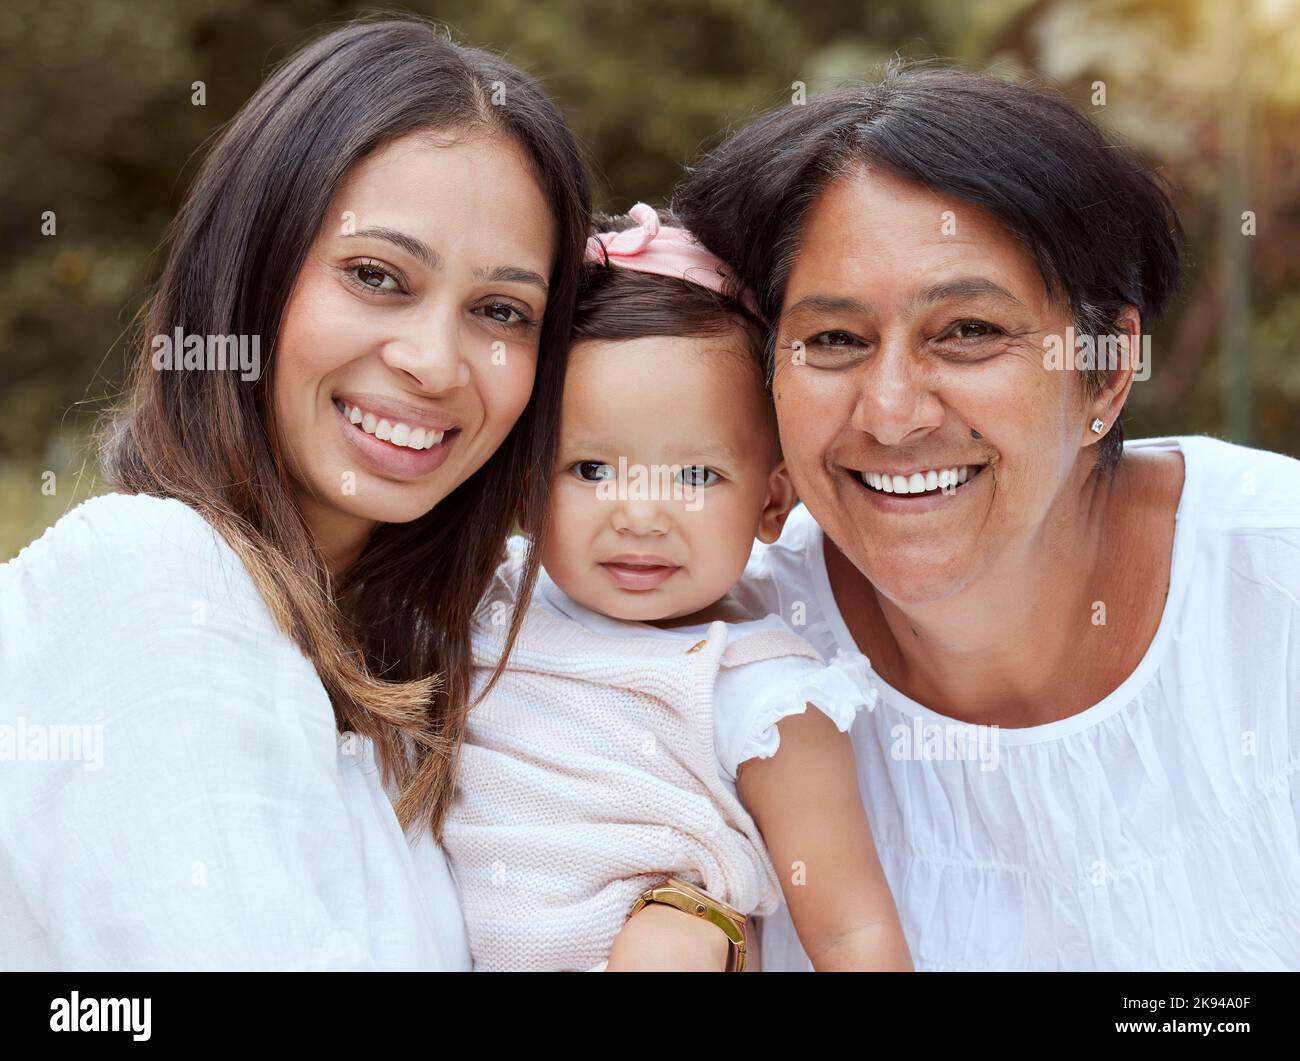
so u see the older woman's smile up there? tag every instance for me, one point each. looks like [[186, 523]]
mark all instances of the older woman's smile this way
[[920, 482], [919, 491]]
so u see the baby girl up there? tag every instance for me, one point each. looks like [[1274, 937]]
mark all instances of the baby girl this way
[[655, 765]]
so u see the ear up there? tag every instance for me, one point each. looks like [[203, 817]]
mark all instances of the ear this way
[[781, 498], [1107, 405]]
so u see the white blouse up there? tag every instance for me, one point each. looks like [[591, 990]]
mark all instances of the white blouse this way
[[1159, 828], [173, 791]]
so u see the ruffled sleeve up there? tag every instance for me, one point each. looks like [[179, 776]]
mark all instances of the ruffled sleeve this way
[[749, 701]]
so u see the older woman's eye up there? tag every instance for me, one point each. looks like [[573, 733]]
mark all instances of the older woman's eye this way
[[593, 471], [975, 330], [832, 338]]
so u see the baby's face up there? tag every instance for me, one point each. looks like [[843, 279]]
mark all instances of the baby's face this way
[[667, 471]]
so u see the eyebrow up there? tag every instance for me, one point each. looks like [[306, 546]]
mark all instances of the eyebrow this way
[[708, 448], [511, 274], [827, 304], [413, 246], [963, 287], [421, 251]]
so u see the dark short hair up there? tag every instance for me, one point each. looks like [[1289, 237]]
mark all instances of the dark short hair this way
[[1101, 228]]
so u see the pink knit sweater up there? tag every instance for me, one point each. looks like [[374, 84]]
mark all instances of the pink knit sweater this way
[[588, 774]]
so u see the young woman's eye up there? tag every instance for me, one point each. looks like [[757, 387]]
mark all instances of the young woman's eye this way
[[375, 277], [697, 475], [506, 314], [593, 471]]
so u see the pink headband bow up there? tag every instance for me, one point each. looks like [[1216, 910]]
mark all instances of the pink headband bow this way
[[666, 251]]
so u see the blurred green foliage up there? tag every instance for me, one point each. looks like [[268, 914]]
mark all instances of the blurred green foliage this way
[[98, 126]]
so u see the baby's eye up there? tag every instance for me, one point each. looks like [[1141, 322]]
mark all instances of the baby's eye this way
[[697, 475], [593, 471]]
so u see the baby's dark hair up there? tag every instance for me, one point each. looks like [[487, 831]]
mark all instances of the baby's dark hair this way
[[616, 303]]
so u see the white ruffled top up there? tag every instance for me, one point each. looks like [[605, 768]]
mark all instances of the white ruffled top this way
[[1157, 829]]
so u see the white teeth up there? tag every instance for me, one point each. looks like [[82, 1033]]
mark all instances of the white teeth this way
[[397, 434], [919, 482]]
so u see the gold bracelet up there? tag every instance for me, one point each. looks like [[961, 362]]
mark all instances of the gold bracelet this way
[[692, 900]]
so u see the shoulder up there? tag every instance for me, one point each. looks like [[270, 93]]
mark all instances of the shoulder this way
[[119, 527], [129, 547], [127, 591], [1237, 557], [752, 698], [1227, 486]]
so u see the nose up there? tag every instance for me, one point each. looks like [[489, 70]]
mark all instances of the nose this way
[[642, 518], [897, 400], [429, 355]]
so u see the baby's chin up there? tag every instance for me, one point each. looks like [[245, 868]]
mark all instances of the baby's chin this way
[[647, 606]]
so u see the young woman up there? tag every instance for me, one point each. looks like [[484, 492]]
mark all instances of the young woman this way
[[236, 686]]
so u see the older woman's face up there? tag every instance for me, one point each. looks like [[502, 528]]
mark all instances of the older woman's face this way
[[909, 321]]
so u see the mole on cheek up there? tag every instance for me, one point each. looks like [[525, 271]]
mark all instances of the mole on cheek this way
[[975, 434]]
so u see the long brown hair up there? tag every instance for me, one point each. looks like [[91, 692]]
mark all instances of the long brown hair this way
[[390, 638]]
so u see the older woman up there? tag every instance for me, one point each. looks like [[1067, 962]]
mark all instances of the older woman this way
[[1085, 751]]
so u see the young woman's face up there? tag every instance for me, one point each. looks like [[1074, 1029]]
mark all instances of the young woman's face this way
[[409, 343]]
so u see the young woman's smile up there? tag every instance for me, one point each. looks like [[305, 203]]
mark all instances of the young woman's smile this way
[[396, 441]]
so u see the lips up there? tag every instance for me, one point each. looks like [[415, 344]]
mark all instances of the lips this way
[[639, 572], [390, 459], [924, 501], [922, 482]]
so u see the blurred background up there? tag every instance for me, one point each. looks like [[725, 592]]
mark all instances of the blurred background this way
[[98, 126]]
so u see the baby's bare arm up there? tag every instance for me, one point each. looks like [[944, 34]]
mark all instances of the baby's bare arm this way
[[805, 802], [659, 938]]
